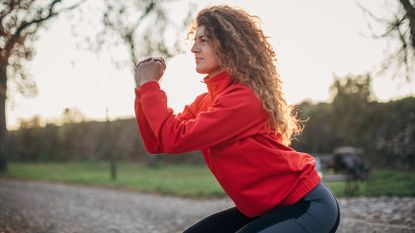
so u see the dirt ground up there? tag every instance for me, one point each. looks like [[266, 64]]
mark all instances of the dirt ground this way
[[48, 207]]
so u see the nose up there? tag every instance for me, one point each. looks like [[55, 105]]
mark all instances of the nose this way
[[195, 48]]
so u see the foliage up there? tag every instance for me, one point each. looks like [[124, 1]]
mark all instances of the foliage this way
[[385, 131], [84, 141], [20, 22]]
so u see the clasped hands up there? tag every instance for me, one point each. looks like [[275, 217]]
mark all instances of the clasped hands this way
[[150, 69]]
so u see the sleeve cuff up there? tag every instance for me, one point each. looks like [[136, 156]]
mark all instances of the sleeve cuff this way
[[151, 85]]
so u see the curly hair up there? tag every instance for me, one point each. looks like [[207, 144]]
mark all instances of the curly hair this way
[[244, 52]]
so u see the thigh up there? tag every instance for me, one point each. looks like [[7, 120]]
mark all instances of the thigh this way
[[324, 213], [281, 220], [226, 221], [317, 212]]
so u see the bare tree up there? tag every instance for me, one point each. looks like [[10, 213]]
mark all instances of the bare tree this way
[[400, 29], [20, 21], [143, 28]]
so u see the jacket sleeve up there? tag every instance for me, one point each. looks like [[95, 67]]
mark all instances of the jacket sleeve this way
[[147, 136], [227, 119], [150, 141], [190, 111]]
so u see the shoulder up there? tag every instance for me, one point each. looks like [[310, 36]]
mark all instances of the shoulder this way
[[240, 93], [242, 97], [201, 97], [200, 102]]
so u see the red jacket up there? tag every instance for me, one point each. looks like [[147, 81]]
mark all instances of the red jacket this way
[[228, 124]]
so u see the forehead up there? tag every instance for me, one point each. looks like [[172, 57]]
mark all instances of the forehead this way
[[200, 31]]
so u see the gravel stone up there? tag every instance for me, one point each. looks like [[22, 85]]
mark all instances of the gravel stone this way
[[33, 206]]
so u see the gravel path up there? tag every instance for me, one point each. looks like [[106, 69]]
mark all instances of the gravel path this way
[[34, 207]]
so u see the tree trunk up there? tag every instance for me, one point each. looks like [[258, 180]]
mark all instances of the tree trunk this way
[[410, 13], [3, 129], [109, 151], [113, 167]]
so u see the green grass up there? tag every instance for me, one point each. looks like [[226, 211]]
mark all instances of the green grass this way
[[180, 180], [184, 180], [390, 183]]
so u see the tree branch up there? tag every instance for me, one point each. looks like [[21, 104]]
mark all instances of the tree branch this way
[[366, 11], [410, 13], [148, 9], [37, 21]]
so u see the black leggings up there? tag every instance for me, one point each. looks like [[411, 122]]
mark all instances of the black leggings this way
[[317, 212]]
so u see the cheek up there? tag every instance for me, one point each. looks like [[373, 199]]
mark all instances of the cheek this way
[[210, 61], [211, 58], [213, 62], [212, 55]]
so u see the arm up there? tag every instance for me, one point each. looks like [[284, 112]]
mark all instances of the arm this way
[[150, 69], [190, 111], [228, 119], [150, 141]]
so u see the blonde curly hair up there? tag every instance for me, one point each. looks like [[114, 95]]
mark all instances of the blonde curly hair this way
[[244, 52]]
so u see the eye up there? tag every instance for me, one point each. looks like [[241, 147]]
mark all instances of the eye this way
[[202, 40]]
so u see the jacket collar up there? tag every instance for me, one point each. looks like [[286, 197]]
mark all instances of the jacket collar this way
[[218, 83]]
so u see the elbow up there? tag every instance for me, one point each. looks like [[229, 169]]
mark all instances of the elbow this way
[[153, 149], [174, 148], [171, 149], [154, 152]]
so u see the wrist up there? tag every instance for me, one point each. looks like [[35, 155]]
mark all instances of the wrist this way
[[140, 83]]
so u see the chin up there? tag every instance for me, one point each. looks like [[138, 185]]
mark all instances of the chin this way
[[201, 70]]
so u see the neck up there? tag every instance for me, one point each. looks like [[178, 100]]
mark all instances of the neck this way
[[216, 72]]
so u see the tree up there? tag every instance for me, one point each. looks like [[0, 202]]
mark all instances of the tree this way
[[400, 29], [72, 115], [351, 98], [20, 21], [142, 28], [342, 122], [132, 22]]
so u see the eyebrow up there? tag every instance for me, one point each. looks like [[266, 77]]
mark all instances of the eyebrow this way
[[203, 35]]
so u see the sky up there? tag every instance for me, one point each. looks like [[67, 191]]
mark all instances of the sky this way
[[314, 42]]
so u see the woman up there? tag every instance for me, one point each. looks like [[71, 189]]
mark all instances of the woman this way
[[243, 126]]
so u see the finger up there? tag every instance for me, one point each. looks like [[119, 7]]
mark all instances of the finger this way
[[162, 64], [145, 60], [161, 60], [158, 59]]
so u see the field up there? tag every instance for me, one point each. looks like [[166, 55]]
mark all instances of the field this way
[[184, 180]]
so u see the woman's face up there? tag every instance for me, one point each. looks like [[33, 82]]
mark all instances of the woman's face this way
[[205, 55]]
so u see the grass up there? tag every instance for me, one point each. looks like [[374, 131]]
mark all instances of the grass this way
[[390, 183], [180, 180], [183, 180]]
